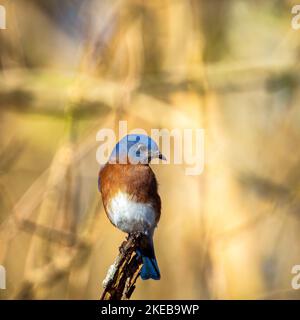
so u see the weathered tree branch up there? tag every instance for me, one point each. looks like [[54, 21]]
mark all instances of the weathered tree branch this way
[[121, 277]]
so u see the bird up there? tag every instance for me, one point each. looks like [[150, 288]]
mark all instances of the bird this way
[[130, 196]]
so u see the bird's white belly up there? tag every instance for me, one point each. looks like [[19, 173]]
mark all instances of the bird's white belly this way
[[129, 215]]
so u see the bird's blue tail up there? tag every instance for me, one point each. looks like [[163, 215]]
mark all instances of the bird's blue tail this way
[[150, 268]]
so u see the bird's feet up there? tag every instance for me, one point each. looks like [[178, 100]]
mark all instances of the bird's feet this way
[[135, 235], [133, 238], [122, 248]]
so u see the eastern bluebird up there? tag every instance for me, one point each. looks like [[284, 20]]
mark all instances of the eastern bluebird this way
[[129, 194]]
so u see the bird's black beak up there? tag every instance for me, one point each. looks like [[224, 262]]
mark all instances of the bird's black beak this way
[[162, 157], [155, 155]]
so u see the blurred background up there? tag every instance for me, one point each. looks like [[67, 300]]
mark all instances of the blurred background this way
[[70, 68]]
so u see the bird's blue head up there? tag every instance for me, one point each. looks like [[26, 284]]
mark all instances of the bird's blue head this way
[[135, 149]]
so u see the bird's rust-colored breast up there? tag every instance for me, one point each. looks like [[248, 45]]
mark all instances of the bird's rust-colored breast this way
[[138, 181]]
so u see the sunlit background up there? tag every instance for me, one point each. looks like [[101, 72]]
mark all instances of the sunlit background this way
[[70, 68]]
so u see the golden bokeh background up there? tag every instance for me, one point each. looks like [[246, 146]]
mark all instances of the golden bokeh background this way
[[70, 68]]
